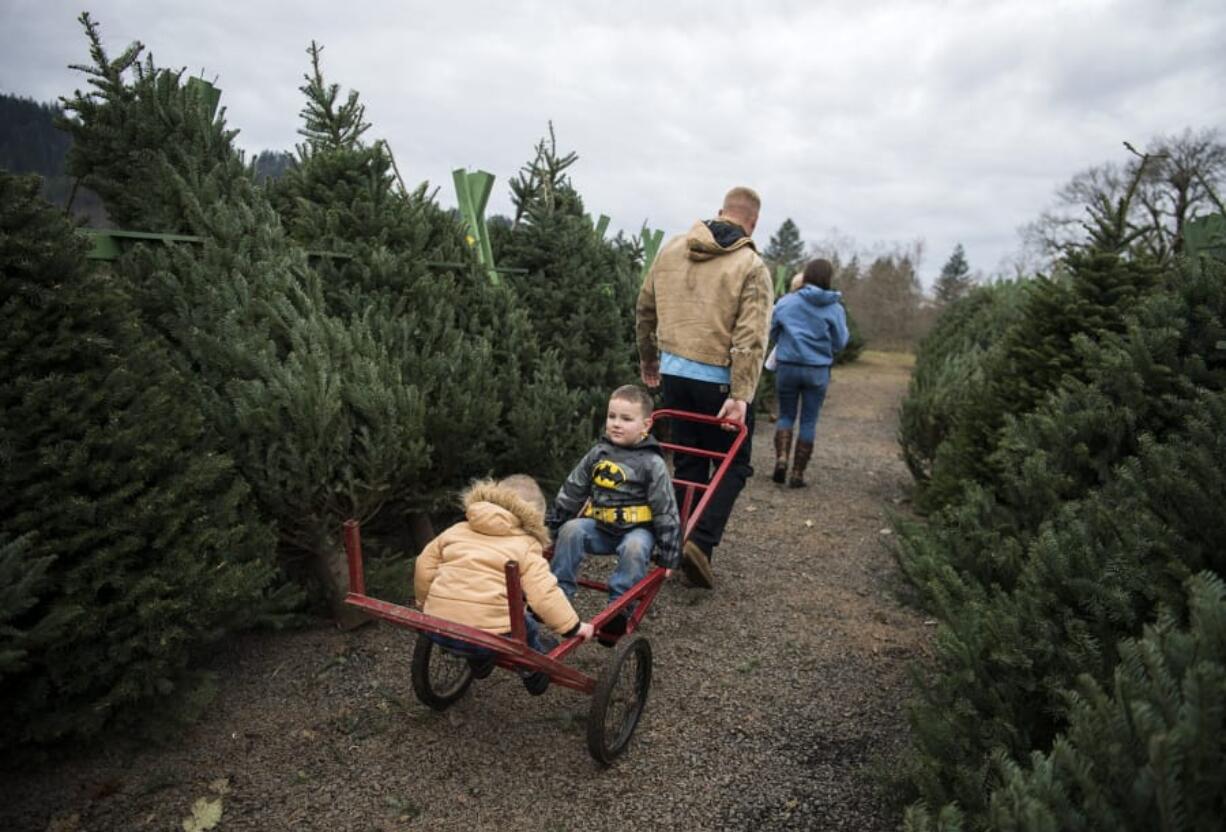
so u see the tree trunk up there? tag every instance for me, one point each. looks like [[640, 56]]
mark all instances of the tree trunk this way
[[332, 569]]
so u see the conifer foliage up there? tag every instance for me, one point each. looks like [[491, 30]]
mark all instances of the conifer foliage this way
[[126, 537], [405, 270], [578, 288], [1099, 413], [314, 407], [955, 278], [1147, 751]]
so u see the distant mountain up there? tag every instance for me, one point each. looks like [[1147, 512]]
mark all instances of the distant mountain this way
[[31, 143]]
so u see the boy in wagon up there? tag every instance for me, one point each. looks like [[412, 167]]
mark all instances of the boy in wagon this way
[[631, 505], [460, 575]]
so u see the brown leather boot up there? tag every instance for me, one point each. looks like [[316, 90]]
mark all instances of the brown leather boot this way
[[783, 448], [804, 450], [697, 565]]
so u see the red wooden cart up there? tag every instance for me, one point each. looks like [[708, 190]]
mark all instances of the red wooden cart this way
[[442, 674]]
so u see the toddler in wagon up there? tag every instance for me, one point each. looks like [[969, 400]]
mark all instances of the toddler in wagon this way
[[460, 575]]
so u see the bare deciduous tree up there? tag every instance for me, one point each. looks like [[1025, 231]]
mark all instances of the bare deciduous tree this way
[[1140, 206]]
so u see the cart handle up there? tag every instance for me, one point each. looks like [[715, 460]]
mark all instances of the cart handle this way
[[724, 461]]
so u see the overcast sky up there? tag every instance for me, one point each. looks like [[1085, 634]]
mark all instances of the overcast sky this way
[[889, 121]]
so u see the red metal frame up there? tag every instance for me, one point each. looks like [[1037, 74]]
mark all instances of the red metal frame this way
[[512, 651]]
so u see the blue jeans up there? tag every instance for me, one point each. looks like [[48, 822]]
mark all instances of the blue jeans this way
[[580, 536], [532, 628], [806, 384]]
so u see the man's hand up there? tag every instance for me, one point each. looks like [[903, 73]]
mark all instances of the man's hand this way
[[586, 630], [649, 372], [734, 410]]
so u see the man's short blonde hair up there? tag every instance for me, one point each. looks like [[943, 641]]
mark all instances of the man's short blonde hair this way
[[524, 487], [742, 201]]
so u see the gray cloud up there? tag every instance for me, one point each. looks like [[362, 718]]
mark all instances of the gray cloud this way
[[892, 121]]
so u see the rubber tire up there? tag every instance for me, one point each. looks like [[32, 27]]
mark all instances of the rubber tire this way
[[425, 653], [609, 687]]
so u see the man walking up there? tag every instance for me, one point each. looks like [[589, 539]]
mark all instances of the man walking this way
[[702, 320]]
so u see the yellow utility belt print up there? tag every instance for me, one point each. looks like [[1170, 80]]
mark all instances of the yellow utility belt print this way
[[619, 514]]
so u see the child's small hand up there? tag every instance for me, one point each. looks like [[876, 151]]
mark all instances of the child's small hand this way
[[586, 631]]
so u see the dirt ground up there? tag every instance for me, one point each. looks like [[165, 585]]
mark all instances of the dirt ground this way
[[775, 697]]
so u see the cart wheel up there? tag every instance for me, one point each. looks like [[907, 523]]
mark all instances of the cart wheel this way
[[440, 677], [619, 699]]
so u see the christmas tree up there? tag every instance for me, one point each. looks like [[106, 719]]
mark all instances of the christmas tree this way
[[579, 288], [314, 406], [955, 278], [126, 532]]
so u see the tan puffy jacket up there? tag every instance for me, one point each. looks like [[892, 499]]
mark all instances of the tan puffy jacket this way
[[459, 575], [708, 303]]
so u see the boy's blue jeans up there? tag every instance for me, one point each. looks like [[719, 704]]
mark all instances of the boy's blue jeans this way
[[807, 384], [581, 536]]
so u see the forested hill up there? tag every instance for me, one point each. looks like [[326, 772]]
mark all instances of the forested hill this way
[[31, 143], [29, 140]]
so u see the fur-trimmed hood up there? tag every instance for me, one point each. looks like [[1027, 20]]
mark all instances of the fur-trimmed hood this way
[[494, 510]]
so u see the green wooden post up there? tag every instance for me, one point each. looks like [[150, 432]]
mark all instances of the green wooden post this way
[[110, 243], [782, 281], [210, 93], [472, 193], [651, 247], [601, 226]]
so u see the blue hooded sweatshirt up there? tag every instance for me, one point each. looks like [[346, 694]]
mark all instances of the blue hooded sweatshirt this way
[[809, 326]]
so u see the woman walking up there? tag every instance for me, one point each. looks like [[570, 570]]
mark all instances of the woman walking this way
[[808, 328]]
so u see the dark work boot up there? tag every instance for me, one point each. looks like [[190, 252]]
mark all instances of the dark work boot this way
[[804, 450], [783, 447]]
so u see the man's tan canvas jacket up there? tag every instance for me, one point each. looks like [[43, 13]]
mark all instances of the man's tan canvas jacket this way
[[708, 302]]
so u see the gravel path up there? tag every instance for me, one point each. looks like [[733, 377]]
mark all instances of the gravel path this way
[[773, 697]]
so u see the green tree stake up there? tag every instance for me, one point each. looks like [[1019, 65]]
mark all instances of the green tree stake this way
[[651, 246], [472, 194], [782, 280]]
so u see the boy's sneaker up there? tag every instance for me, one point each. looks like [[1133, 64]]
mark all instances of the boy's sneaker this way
[[697, 566], [482, 666], [536, 682], [613, 629]]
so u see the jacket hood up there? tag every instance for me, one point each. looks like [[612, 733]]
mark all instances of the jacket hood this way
[[493, 510], [715, 238], [818, 296]]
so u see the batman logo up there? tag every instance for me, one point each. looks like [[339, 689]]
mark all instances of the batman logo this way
[[608, 474]]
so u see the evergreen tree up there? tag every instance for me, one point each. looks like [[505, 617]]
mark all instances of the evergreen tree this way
[[786, 249], [1149, 752], [1104, 504], [465, 345], [578, 288], [1031, 358], [955, 280], [949, 371], [128, 533], [125, 143], [314, 407]]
